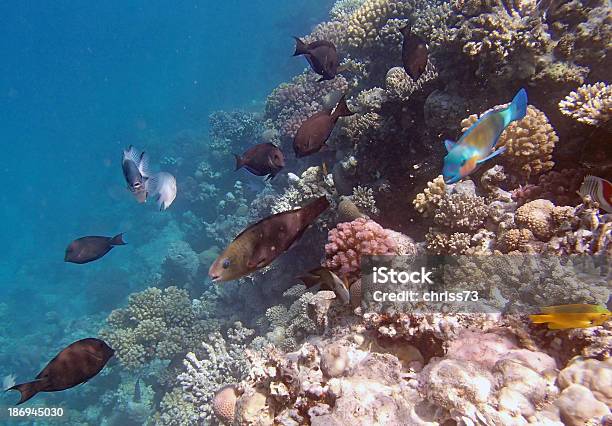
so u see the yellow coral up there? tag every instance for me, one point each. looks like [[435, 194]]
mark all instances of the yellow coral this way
[[365, 24], [429, 200], [529, 143], [589, 104]]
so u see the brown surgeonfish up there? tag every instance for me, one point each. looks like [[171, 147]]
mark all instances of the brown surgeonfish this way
[[75, 364], [328, 281], [88, 249], [314, 132], [261, 243], [414, 53], [321, 55], [264, 159]]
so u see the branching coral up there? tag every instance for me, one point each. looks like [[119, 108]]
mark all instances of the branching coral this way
[[313, 183], [589, 104], [400, 86], [290, 104], [233, 131], [349, 241], [222, 362], [156, 324], [529, 143], [366, 22]]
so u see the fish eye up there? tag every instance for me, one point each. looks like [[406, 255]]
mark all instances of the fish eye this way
[[226, 264]]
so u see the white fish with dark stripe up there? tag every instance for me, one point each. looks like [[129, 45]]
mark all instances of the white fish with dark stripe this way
[[600, 190]]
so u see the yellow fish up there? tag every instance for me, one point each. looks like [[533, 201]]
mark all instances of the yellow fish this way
[[572, 316]]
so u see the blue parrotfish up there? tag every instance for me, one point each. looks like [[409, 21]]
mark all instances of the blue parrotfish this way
[[477, 144]]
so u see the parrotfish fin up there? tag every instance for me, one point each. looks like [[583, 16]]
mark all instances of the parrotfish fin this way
[[492, 155], [518, 108], [449, 145], [239, 162], [27, 390], [163, 185], [301, 48], [117, 240]]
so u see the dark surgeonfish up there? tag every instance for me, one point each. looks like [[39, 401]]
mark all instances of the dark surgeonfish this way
[[261, 243], [321, 55], [75, 364], [264, 159], [414, 53], [314, 132], [328, 281], [88, 249], [142, 183]]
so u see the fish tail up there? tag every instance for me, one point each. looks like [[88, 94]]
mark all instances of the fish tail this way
[[239, 162], [517, 109], [301, 48], [117, 240], [342, 109], [27, 390]]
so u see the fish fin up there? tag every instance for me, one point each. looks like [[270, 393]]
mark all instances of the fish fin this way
[[492, 155], [518, 108], [143, 165], [342, 109], [301, 48], [163, 185], [449, 145], [239, 162], [131, 154], [27, 390], [117, 240]]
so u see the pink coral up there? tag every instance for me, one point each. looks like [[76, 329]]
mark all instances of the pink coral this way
[[351, 240]]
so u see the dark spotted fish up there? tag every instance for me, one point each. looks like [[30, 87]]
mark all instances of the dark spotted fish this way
[[264, 159], [314, 132], [261, 243], [414, 53], [321, 55], [75, 364], [88, 249]]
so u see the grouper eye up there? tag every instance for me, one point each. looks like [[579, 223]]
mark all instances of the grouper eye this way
[[226, 263]]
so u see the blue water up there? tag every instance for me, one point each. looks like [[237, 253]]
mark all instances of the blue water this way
[[80, 81]]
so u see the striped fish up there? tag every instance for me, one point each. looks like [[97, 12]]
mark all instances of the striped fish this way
[[600, 190]]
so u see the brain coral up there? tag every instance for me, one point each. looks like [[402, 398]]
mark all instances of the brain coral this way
[[589, 104], [529, 143], [224, 403], [537, 216], [351, 240]]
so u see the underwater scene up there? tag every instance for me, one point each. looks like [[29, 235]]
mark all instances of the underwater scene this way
[[360, 212]]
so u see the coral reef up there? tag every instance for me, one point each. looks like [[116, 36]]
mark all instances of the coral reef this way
[[156, 324], [589, 104], [222, 363], [529, 143]]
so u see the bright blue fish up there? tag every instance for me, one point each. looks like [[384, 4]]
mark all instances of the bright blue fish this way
[[477, 144]]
